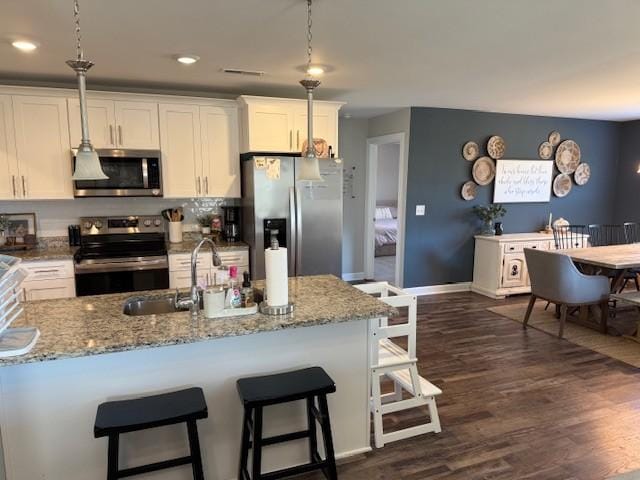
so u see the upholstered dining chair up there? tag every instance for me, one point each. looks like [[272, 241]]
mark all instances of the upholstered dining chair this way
[[555, 278]]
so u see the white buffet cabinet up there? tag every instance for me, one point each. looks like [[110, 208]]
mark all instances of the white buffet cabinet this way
[[499, 266]]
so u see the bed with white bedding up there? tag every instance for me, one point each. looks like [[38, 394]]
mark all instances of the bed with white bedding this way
[[386, 230]]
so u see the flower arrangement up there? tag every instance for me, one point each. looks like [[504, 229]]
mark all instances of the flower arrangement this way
[[488, 214]]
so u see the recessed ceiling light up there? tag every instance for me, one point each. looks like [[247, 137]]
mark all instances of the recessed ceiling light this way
[[315, 70], [24, 45], [187, 59]]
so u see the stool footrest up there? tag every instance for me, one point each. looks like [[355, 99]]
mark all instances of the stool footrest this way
[[152, 467], [285, 437], [297, 470]]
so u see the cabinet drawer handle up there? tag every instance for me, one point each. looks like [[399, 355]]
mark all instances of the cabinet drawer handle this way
[[298, 139], [111, 136], [24, 186], [290, 139], [206, 185], [54, 270], [120, 134], [13, 184], [198, 186]]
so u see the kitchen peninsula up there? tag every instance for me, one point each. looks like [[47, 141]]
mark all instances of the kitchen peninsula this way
[[100, 354]]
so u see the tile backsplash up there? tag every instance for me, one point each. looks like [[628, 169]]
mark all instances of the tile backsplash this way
[[53, 216]]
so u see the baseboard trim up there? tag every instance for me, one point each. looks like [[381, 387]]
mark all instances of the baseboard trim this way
[[353, 453], [353, 277], [436, 289]]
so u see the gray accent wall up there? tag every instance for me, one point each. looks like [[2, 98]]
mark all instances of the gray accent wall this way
[[439, 246], [628, 188]]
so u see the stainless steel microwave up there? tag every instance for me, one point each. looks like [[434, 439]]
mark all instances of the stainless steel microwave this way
[[132, 173]]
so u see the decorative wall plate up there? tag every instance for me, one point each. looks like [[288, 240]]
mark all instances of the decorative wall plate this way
[[545, 150], [483, 171], [469, 190], [568, 156], [496, 147], [554, 138], [470, 151], [562, 185], [582, 174]]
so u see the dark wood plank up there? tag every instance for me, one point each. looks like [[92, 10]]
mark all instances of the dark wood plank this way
[[516, 404]]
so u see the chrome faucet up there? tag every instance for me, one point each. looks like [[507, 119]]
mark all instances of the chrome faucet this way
[[193, 300]]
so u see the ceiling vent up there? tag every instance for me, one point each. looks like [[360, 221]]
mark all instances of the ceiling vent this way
[[237, 71]]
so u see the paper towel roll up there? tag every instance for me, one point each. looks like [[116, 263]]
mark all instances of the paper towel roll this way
[[277, 277]]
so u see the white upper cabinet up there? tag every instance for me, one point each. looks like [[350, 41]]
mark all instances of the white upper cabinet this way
[[102, 122], [42, 146], [200, 155], [116, 124], [8, 164], [137, 125], [181, 152], [220, 151], [280, 124], [325, 125]]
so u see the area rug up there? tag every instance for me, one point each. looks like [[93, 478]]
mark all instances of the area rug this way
[[618, 347]]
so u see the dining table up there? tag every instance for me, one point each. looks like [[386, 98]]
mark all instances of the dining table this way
[[615, 261], [618, 260]]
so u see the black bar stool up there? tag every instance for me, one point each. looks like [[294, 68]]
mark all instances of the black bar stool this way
[[122, 416], [258, 392]]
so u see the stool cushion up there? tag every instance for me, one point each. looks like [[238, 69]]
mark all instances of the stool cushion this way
[[148, 412], [285, 387]]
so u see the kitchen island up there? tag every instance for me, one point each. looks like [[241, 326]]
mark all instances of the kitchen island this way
[[48, 407]]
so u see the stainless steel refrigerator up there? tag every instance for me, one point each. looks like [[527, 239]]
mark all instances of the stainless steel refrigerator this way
[[308, 216]]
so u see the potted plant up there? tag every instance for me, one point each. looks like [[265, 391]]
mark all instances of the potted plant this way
[[4, 224], [488, 214], [205, 223]]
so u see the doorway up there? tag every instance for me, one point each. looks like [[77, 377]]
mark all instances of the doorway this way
[[385, 208]]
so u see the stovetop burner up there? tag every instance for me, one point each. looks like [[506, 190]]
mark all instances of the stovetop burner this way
[[121, 237]]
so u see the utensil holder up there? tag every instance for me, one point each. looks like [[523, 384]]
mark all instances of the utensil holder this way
[[175, 232]]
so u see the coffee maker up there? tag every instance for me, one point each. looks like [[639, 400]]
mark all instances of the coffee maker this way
[[231, 227]]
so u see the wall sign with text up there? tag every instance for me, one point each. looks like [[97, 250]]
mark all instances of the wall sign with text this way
[[523, 181]]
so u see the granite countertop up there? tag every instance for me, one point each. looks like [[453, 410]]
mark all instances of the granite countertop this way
[[83, 326], [65, 252], [44, 253], [188, 245]]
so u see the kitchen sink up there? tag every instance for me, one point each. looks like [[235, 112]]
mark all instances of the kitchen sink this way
[[150, 306]]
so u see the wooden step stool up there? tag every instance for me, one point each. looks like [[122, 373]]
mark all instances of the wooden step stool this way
[[390, 360]]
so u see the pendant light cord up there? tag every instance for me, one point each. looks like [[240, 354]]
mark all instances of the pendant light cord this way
[[76, 16], [309, 35]]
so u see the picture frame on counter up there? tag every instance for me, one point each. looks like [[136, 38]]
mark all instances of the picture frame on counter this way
[[20, 230]]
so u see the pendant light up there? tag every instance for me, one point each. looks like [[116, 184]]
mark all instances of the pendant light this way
[[310, 168], [87, 165]]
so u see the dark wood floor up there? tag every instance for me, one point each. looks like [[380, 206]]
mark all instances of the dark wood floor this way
[[516, 405]]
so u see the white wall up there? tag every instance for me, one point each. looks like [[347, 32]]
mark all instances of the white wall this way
[[353, 150], [387, 175]]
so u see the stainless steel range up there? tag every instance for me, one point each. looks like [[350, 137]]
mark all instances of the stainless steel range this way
[[121, 254]]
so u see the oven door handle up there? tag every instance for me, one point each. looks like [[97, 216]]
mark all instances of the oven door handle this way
[[133, 266]]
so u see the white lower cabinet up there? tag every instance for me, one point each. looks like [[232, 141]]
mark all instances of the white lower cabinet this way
[[49, 279], [180, 267]]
